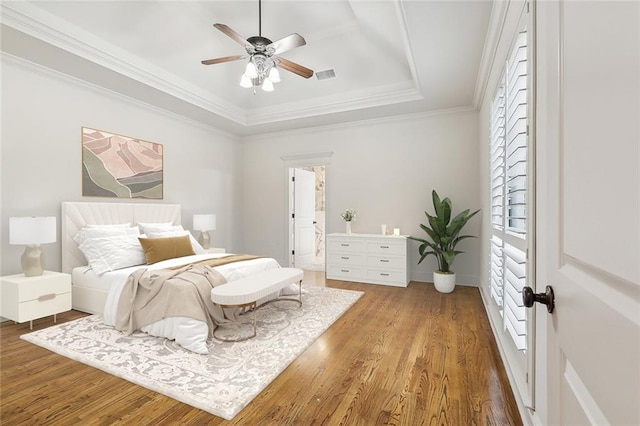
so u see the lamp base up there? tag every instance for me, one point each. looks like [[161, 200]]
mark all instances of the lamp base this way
[[32, 261], [204, 240]]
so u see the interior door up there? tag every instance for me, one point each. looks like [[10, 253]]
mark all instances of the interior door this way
[[304, 217], [588, 239]]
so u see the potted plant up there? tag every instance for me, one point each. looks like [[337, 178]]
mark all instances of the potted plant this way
[[348, 216], [444, 234]]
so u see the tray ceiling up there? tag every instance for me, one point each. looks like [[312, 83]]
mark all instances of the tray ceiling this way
[[390, 57]]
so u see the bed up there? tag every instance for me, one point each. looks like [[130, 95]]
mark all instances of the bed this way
[[98, 293]]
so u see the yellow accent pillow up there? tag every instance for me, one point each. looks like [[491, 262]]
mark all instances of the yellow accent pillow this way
[[163, 248]]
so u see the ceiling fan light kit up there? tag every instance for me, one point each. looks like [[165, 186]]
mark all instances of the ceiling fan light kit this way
[[261, 70]]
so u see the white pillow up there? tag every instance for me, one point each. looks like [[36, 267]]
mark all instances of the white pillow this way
[[113, 252], [98, 232], [118, 225], [146, 227], [197, 248]]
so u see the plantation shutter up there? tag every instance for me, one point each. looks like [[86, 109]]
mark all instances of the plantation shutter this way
[[516, 136], [508, 174]]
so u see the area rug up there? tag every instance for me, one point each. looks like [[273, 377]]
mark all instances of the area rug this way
[[221, 383]]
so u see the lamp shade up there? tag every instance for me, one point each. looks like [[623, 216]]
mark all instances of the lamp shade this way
[[204, 222], [32, 230]]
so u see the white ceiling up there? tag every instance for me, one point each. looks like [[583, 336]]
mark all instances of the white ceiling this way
[[390, 57]]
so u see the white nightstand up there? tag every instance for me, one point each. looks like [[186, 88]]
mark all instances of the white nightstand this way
[[29, 298], [215, 250]]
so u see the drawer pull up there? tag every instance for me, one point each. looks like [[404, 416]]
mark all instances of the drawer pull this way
[[46, 297], [384, 260], [384, 246], [344, 257], [344, 245], [344, 270], [384, 275]]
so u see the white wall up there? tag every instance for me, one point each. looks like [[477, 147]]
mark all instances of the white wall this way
[[42, 116], [385, 169]]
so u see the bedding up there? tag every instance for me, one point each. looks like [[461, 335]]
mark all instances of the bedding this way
[[187, 332]]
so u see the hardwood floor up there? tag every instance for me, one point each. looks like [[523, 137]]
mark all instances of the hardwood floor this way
[[402, 356]]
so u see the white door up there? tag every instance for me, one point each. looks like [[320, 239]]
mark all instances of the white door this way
[[588, 212], [304, 196]]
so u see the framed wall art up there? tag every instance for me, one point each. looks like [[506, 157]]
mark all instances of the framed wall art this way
[[120, 166]]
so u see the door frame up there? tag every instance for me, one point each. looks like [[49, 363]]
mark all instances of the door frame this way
[[292, 162]]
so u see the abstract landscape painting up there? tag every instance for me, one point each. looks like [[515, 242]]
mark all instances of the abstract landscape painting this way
[[120, 166]]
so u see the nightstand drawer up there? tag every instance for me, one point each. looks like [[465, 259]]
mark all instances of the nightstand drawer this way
[[35, 289], [50, 304]]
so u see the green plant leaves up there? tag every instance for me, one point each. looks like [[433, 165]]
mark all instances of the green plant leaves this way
[[443, 232]]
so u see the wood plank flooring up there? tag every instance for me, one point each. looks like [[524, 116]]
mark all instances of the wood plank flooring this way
[[400, 356]]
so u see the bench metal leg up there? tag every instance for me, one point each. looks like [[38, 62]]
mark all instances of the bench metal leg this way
[[255, 308], [252, 305]]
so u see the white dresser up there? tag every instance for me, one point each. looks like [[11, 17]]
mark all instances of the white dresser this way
[[368, 258]]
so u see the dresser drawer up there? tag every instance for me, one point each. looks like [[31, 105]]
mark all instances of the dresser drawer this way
[[344, 273], [347, 259], [383, 262], [387, 247], [387, 276], [345, 246]]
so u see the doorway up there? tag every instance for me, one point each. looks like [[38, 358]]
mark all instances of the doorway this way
[[307, 217]]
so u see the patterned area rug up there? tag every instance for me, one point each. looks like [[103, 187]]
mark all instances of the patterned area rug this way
[[221, 383]]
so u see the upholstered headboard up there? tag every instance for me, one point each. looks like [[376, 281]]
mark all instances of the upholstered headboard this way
[[75, 215]]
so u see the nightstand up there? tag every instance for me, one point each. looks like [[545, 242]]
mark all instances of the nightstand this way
[[215, 250], [29, 298]]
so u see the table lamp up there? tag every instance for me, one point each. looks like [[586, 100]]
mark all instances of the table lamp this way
[[204, 223], [32, 231]]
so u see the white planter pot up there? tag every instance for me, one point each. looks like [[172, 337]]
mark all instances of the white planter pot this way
[[445, 283]]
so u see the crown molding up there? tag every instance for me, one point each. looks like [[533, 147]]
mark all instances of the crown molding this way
[[41, 69], [386, 95], [35, 22], [359, 123], [491, 42]]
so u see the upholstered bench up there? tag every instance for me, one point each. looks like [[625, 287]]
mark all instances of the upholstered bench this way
[[245, 292]]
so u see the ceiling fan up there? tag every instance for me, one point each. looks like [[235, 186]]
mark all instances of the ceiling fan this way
[[262, 68]]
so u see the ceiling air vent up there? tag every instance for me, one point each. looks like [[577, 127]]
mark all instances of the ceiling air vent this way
[[323, 75]]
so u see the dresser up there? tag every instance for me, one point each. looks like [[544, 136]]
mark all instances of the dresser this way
[[29, 298], [368, 258]]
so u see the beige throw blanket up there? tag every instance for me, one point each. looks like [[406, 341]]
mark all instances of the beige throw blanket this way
[[149, 296]]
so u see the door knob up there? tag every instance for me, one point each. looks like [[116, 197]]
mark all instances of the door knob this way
[[546, 298]]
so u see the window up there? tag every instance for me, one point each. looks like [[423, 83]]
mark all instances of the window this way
[[509, 189]]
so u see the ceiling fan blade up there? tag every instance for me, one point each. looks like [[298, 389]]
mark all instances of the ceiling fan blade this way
[[234, 35], [287, 43], [223, 59], [294, 68]]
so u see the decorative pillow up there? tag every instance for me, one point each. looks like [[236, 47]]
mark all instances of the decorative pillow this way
[[197, 248], [103, 231], [113, 252], [146, 227], [157, 249]]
